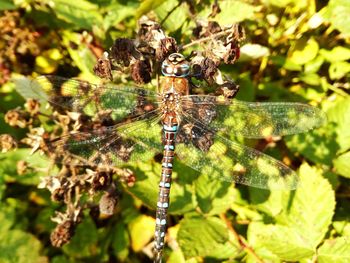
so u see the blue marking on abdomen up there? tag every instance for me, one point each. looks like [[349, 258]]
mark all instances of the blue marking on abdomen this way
[[169, 147], [170, 128]]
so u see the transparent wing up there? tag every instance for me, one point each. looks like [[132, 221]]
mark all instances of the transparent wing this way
[[253, 119], [115, 145], [233, 162], [82, 96]]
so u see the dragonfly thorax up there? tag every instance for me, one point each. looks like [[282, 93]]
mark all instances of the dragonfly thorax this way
[[171, 102], [175, 65]]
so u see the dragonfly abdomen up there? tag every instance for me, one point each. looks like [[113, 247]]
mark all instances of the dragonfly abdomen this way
[[164, 186]]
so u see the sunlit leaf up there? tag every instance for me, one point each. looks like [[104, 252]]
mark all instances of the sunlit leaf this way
[[304, 51], [7, 5], [342, 164], [141, 231], [120, 241], [20, 247], [83, 243], [37, 166], [336, 54], [337, 13], [82, 14], [213, 196], [312, 206], [334, 250], [201, 236], [338, 70]]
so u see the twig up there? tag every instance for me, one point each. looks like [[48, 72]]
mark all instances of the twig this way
[[219, 34], [244, 245]]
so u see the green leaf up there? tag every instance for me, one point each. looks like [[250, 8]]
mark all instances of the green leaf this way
[[337, 13], [304, 219], [80, 53], [20, 247], [253, 240], [334, 250], [200, 236], [339, 69], [121, 242], [338, 116], [270, 202], [117, 12], [314, 65], [241, 10], [336, 54], [284, 242], [303, 51], [7, 5], [176, 257], [312, 79], [285, 3], [146, 188], [141, 231], [148, 5], [318, 146], [176, 19], [7, 216], [312, 206], [84, 242], [82, 14], [323, 144], [37, 166], [213, 196], [342, 164], [342, 227]]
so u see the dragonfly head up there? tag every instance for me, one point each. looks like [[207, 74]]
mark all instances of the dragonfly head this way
[[175, 66]]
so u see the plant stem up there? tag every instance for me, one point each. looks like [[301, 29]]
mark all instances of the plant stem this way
[[219, 34], [244, 245]]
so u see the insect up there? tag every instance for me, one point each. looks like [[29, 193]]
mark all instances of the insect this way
[[194, 124]]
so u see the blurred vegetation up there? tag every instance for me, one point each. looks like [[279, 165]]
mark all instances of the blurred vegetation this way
[[295, 50]]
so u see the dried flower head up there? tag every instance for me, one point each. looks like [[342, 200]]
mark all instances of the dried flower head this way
[[103, 67], [7, 143], [167, 46], [228, 89], [32, 106], [108, 203], [123, 50], [62, 233], [35, 139], [17, 118], [141, 71]]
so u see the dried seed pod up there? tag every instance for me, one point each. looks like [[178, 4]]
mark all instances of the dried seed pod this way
[[58, 194], [229, 89], [141, 71], [103, 67], [207, 69], [101, 180], [32, 106], [167, 46], [17, 118], [108, 203], [123, 50], [7, 143], [62, 233]]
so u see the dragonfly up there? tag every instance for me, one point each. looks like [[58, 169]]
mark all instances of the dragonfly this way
[[146, 122]]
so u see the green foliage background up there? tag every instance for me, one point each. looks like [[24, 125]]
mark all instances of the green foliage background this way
[[295, 50]]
